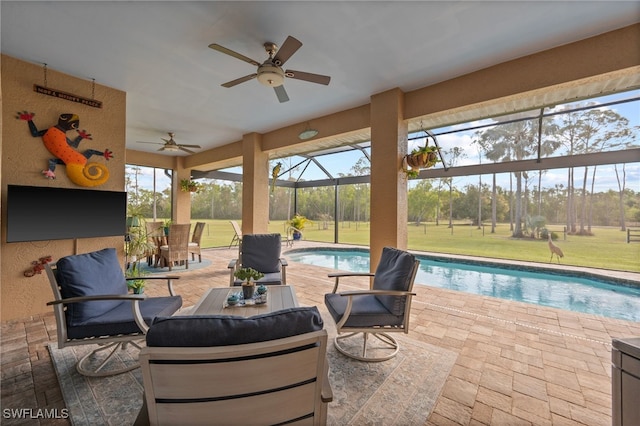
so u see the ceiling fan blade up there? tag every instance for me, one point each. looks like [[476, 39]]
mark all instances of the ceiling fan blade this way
[[185, 149], [307, 76], [288, 48], [239, 80], [189, 146], [230, 52], [281, 93], [156, 143]]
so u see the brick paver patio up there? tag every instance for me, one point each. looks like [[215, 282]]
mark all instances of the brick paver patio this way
[[517, 364]]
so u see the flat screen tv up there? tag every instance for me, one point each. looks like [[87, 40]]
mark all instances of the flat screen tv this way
[[36, 213]]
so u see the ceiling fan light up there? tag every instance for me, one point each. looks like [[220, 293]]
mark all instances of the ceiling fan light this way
[[270, 75], [171, 148], [307, 134]]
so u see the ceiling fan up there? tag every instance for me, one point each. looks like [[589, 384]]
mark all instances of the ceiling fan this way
[[270, 72], [171, 145]]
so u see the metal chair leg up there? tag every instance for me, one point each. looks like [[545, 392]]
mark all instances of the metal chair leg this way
[[390, 342], [83, 369]]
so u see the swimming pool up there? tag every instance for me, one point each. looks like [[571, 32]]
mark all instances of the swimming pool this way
[[580, 294]]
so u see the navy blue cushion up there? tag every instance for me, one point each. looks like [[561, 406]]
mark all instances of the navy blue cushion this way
[[261, 252], [225, 330], [90, 274], [394, 272], [366, 311], [119, 320]]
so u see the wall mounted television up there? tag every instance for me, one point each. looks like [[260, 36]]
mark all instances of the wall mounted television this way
[[37, 213]]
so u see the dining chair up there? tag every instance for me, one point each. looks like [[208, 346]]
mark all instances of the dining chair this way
[[177, 249], [155, 233], [194, 245]]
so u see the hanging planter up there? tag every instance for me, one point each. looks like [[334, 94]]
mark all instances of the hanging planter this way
[[188, 185], [420, 158]]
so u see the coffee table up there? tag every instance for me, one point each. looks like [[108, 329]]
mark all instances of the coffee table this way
[[212, 303]]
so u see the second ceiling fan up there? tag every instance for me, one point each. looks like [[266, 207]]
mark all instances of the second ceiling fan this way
[[171, 145], [270, 72]]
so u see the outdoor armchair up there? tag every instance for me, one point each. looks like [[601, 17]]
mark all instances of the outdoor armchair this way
[[92, 307], [378, 311], [262, 253]]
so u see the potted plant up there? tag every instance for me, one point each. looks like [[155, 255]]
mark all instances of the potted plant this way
[[166, 224], [298, 222], [422, 157], [188, 185], [134, 275], [137, 244], [137, 247], [248, 277]]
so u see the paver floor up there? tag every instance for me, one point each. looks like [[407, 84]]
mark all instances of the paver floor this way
[[517, 364]]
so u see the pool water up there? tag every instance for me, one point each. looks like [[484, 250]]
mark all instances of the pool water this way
[[547, 289]]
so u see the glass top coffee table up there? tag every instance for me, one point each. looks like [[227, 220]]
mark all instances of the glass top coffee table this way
[[213, 302]]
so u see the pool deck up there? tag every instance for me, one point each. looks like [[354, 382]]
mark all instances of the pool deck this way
[[516, 364]]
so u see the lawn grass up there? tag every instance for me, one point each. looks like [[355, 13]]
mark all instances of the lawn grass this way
[[606, 249]]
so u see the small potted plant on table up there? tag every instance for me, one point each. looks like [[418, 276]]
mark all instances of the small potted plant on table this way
[[248, 276]]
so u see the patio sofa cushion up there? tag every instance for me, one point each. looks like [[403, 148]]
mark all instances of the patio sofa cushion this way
[[90, 274], [224, 330]]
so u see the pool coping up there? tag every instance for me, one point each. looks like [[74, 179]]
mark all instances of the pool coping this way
[[626, 278]]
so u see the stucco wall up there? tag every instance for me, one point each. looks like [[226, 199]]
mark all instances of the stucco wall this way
[[24, 157]]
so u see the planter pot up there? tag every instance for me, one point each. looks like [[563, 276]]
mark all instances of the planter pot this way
[[422, 161], [296, 235], [138, 290], [132, 221], [247, 291]]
